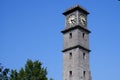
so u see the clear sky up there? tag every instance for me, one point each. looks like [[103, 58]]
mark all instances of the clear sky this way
[[30, 29]]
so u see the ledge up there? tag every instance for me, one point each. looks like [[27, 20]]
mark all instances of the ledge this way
[[76, 27], [77, 46]]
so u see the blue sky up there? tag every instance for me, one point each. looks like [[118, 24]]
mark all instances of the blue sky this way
[[31, 29]]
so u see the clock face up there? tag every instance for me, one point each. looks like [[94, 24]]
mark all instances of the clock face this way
[[83, 20], [71, 19]]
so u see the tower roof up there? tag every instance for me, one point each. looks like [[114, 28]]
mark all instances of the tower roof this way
[[74, 8]]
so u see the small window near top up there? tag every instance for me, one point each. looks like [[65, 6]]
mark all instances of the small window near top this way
[[83, 35], [70, 35]]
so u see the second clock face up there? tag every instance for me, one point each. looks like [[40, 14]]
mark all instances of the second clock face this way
[[71, 19], [82, 20]]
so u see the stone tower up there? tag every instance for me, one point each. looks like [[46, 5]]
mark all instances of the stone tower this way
[[76, 45]]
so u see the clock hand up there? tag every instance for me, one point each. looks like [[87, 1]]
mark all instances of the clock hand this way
[[84, 21], [73, 21]]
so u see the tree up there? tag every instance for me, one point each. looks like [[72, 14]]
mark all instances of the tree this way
[[4, 73], [31, 71], [51, 79]]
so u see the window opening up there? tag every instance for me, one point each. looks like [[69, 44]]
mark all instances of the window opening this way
[[70, 72], [84, 56], [70, 55], [70, 35], [83, 35], [84, 74]]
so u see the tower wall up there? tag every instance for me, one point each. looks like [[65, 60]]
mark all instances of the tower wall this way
[[76, 45]]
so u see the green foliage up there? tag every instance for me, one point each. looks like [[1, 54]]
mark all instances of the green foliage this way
[[4, 73], [14, 75], [31, 71], [51, 79]]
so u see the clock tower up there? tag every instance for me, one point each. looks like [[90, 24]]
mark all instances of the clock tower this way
[[76, 45]]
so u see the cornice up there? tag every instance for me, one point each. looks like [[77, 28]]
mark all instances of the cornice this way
[[75, 27], [77, 46], [74, 8]]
